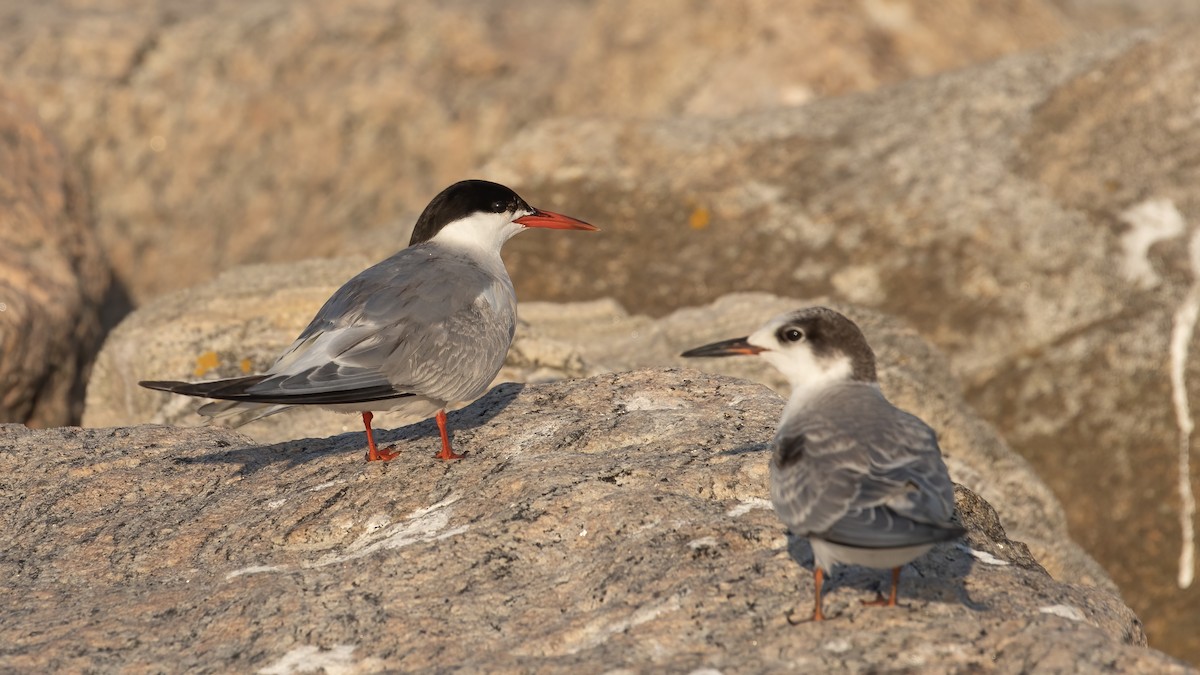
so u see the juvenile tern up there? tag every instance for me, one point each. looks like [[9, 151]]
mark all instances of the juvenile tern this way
[[862, 479]]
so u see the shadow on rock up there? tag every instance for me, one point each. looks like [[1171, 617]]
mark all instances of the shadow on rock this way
[[301, 450], [746, 449], [936, 577]]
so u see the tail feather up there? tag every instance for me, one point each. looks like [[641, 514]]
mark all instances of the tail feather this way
[[881, 527], [230, 389], [241, 390], [235, 413]]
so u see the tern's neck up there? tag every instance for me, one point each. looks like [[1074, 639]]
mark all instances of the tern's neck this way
[[804, 399], [485, 256], [809, 386], [479, 235]]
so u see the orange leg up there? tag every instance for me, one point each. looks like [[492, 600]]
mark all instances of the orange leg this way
[[891, 599], [446, 452], [374, 454], [818, 577]]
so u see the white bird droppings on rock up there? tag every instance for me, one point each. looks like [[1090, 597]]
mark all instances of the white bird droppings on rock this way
[[1150, 222], [1065, 611], [838, 646], [309, 659], [748, 505], [254, 569], [598, 632], [421, 525], [651, 403], [983, 556], [1183, 326]]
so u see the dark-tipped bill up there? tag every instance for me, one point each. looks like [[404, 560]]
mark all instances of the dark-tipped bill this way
[[735, 347], [553, 221]]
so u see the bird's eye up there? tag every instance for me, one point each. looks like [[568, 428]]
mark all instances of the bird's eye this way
[[499, 206], [791, 334]]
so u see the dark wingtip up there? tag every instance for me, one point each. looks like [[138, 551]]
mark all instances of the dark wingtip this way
[[949, 532], [226, 389], [162, 385], [955, 532]]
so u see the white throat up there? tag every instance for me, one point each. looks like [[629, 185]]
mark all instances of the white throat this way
[[810, 383], [480, 235]]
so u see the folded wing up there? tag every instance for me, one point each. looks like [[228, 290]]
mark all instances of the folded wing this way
[[856, 470], [387, 333]]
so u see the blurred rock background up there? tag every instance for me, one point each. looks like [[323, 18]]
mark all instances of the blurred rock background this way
[[1016, 180]]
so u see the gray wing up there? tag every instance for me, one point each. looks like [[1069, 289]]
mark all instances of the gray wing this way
[[855, 469], [425, 321]]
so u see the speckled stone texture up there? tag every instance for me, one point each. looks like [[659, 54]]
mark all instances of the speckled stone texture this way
[[619, 521], [1036, 218], [241, 321]]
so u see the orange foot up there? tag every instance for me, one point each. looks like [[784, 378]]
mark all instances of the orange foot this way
[[382, 455], [446, 452], [889, 601], [879, 601], [816, 616]]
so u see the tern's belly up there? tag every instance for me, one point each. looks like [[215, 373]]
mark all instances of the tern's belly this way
[[827, 554], [416, 408]]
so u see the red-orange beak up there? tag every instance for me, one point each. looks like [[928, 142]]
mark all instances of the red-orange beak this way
[[553, 221], [735, 347]]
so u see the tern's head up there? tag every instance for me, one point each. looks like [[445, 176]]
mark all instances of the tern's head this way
[[811, 347], [477, 213]]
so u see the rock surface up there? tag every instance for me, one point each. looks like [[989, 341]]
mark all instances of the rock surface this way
[[1036, 218], [224, 132], [204, 333], [612, 522], [53, 275]]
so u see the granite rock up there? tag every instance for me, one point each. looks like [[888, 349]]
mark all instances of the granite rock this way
[[1036, 218], [53, 275], [239, 323], [618, 521], [1033, 217], [232, 131]]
